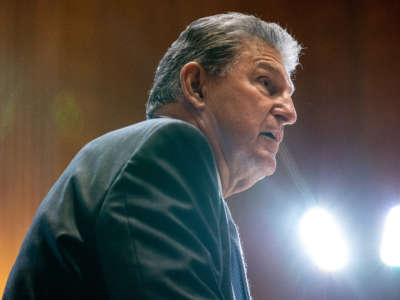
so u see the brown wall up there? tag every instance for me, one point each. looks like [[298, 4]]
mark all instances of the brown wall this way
[[73, 70]]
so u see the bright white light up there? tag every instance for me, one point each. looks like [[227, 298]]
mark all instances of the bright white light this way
[[323, 240], [390, 247]]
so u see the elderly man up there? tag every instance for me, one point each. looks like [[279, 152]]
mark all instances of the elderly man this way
[[140, 213]]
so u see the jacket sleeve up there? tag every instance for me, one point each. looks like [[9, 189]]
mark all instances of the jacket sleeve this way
[[158, 232]]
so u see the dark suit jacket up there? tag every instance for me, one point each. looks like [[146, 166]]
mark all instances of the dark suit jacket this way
[[138, 214]]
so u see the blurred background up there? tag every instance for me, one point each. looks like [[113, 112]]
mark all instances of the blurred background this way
[[72, 70]]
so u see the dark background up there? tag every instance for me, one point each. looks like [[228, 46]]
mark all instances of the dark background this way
[[73, 70]]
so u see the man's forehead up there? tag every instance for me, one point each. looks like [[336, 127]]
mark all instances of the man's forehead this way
[[253, 50]]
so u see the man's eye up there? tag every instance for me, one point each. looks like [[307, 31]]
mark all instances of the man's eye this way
[[266, 82]]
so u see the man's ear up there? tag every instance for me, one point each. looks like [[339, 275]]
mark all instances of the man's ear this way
[[193, 78]]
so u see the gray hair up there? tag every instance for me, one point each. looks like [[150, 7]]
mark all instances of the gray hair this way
[[214, 42]]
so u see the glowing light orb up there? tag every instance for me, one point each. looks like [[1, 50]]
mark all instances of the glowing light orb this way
[[390, 247], [323, 240]]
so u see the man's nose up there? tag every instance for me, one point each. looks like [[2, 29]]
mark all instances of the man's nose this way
[[285, 111]]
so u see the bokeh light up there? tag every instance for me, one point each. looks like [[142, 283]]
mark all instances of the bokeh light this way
[[323, 240], [390, 247]]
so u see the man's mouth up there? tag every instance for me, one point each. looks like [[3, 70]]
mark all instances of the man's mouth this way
[[269, 134]]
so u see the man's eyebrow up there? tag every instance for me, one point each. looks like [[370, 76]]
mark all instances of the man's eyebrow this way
[[278, 72]]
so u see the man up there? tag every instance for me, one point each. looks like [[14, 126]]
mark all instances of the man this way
[[140, 212]]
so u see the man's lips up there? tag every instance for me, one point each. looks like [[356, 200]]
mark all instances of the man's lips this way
[[268, 134], [276, 135]]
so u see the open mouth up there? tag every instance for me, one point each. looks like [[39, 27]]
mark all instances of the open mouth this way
[[269, 134]]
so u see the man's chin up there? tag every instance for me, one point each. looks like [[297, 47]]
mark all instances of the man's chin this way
[[261, 173], [268, 167], [270, 170], [267, 172]]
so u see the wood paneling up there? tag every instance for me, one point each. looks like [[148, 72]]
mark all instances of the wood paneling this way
[[72, 70]]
